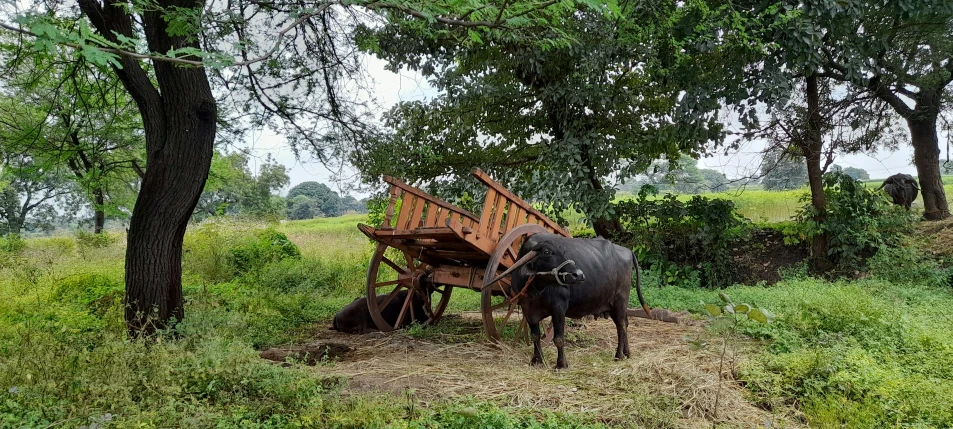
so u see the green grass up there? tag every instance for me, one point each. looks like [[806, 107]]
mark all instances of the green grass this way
[[868, 353], [764, 206], [857, 354], [65, 360]]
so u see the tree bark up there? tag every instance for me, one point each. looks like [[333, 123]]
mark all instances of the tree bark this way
[[179, 118], [926, 157], [811, 149]]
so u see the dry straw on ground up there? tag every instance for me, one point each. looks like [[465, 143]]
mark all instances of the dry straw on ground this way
[[664, 384]]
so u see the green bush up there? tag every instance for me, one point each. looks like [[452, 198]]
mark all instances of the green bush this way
[[858, 221], [685, 242], [86, 240], [205, 252], [267, 246], [306, 275], [218, 253], [96, 292], [905, 263], [12, 244]]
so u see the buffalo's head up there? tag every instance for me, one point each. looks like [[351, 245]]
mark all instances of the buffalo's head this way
[[547, 261]]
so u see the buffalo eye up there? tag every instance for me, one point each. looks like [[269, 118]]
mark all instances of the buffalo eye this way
[[547, 252]]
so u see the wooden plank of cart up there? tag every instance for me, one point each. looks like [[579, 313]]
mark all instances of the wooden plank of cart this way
[[432, 247]]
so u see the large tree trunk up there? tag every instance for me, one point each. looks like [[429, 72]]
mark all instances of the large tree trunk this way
[[179, 120], [99, 215], [811, 149], [926, 156], [179, 159], [170, 190]]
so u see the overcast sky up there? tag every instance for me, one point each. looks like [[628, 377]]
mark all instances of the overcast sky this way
[[391, 88]]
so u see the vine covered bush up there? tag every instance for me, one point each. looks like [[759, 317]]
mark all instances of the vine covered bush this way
[[858, 222], [685, 242]]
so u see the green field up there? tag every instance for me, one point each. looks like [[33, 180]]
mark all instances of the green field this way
[[778, 206], [867, 353]]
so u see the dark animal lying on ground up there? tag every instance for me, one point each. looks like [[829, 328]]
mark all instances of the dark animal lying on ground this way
[[658, 314], [573, 277], [355, 318], [902, 188]]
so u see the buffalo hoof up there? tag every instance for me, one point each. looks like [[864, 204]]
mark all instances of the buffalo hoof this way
[[536, 361], [562, 365]]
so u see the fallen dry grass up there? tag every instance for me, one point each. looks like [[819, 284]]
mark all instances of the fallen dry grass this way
[[664, 384], [940, 234]]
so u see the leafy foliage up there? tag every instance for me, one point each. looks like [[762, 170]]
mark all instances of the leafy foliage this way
[[683, 177], [307, 200], [268, 246], [73, 118], [233, 190], [782, 171], [685, 241], [557, 125], [858, 222]]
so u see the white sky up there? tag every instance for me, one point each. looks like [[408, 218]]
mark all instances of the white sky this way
[[389, 88]]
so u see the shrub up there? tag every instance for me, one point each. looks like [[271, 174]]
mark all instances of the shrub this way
[[267, 246], [96, 292], [377, 209], [905, 264], [206, 252], [684, 241], [858, 222], [86, 241], [12, 244]]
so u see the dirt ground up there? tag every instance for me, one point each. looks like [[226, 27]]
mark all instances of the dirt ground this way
[[666, 382], [764, 255]]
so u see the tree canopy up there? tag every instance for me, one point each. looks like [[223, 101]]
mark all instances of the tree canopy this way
[[233, 190], [559, 125]]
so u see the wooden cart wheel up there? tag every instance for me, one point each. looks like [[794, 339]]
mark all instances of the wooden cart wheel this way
[[497, 310], [403, 274]]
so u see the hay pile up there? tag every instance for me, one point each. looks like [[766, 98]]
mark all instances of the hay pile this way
[[940, 235], [663, 384]]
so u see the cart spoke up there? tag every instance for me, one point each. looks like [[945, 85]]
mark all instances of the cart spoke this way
[[393, 265], [499, 306], [403, 310], [387, 283], [390, 296]]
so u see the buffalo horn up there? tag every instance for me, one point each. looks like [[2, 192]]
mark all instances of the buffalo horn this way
[[522, 261]]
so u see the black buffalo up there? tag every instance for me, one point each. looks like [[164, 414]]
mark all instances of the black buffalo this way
[[902, 188], [355, 318], [573, 277]]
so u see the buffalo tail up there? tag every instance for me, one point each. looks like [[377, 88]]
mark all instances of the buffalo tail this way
[[638, 287]]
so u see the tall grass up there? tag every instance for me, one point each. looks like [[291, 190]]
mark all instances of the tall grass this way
[[868, 353], [65, 360]]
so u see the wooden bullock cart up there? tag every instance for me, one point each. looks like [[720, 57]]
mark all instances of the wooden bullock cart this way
[[432, 247]]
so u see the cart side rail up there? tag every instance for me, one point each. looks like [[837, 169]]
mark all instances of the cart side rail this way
[[503, 211], [419, 209]]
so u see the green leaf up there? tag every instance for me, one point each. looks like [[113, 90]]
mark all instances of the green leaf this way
[[724, 297], [474, 36], [713, 310], [742, 308], [760, 315]]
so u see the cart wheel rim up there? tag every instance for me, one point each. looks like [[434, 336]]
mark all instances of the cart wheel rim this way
[[402, 274], [504, 254]]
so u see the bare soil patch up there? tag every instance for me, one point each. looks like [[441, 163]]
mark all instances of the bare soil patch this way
[[764, 256], [664, 384]]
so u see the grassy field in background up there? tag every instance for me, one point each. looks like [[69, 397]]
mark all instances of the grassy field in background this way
[[859, 354], [762, 206]]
